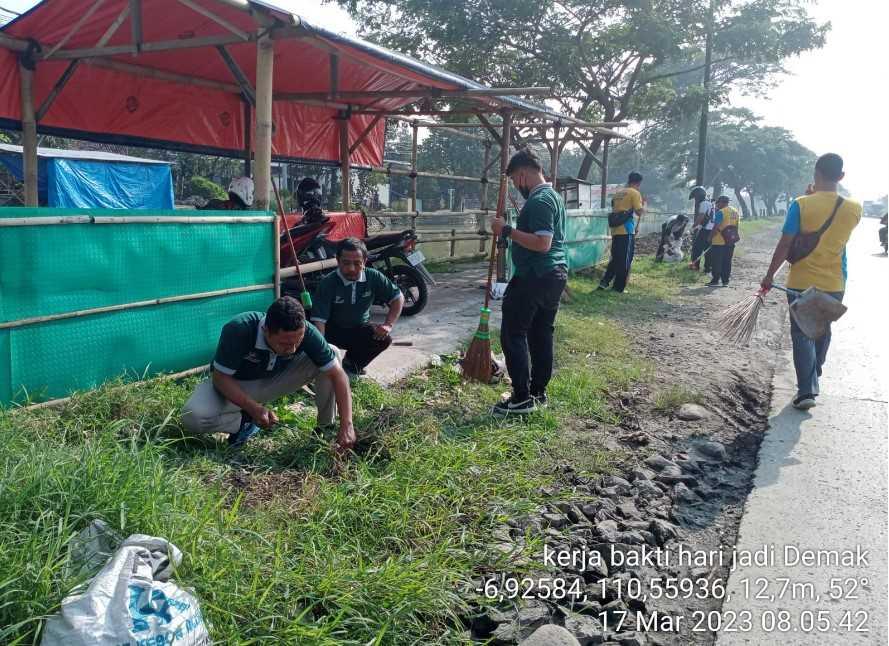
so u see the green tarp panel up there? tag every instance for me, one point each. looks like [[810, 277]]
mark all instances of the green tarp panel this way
[[586, 237], [58, 268]]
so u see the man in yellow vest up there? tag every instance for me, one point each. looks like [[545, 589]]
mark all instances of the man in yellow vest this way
[[824, 267], [627, 201], [722, 243]]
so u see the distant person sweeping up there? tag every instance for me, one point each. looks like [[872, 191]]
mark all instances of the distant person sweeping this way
[[625, 206], [532, 297], [723, 237], [816, 230]]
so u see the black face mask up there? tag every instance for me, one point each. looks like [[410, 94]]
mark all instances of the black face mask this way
[[525, 191]]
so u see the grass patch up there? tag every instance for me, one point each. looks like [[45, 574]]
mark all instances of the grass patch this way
[[282, 543], [668, 401]]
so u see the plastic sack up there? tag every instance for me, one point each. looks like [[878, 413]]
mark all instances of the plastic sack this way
[[131, 602]]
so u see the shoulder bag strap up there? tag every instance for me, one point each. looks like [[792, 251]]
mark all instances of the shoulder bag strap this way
[[829, 221]]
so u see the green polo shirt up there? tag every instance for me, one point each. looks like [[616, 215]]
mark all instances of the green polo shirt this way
[[243, 353], [346, 303], [542, 214]]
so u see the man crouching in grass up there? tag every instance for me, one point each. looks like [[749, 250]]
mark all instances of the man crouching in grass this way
[[260, 358]]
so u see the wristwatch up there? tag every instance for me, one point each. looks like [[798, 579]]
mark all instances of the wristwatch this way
[[506, 231]]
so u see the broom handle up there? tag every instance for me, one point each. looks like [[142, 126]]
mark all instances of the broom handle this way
[[501, 207], [299, 274]]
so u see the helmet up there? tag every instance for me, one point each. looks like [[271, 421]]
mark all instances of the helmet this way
[[698, 192], [308, 194], [242, 188]]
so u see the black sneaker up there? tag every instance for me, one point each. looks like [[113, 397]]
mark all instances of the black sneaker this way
[[804, 402], [712, 283], [602, 286], [541, 401], [512, 407]]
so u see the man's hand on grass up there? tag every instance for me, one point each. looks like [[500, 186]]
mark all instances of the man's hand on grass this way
[[263, 416], [346, 438]]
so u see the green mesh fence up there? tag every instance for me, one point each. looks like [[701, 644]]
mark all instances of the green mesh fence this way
[[59, 268], [586, 237]]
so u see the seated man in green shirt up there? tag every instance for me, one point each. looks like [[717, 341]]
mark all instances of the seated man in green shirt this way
[[341, 308], [259, 358]]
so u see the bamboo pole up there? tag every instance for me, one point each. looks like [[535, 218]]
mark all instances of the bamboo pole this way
[[388, 170], [309, 267], [54, 403], [74, 29], [364, 133], [29, 134], [413, 171], [604, 184], [136, 219], [345, 161], [483, 200], [419, 93], [276, 252], [157, 46], [130, 306], [554, 157], [219, 20], [265, 58]]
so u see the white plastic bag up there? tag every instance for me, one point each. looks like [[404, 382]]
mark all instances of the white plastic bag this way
[[131, 602]]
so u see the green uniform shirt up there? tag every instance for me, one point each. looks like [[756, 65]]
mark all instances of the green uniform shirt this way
[[346, 303], [542, 214], [243, 353]]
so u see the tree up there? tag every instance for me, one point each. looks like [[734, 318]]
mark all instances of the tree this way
[[605, 59]]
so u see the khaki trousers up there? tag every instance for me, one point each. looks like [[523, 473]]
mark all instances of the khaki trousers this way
[[207, 411]]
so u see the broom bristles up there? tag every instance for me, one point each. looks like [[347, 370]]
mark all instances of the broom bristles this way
[[738, 322], [477, 361]]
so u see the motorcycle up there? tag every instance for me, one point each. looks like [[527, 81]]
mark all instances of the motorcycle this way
[[311, 245]]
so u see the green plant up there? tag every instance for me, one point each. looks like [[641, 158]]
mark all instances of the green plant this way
[[206, 188]]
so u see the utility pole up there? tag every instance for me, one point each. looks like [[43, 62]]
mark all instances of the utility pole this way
[[702, 129]]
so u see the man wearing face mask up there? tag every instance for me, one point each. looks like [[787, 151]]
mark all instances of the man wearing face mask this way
[[532, 297]]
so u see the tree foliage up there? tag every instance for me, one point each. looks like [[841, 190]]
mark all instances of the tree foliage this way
[[605, 59]]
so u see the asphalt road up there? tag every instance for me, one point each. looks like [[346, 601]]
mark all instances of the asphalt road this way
[[821, 484]]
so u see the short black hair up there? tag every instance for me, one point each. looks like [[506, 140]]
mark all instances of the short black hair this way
[[351, 244], [286, 314], [723, 198], [635, 178], [831, 166], [525, 158]]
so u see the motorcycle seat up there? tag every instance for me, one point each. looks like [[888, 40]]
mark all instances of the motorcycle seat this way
[[383, 240]]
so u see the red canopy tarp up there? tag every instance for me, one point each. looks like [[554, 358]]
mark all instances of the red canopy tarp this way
[[135, 108]]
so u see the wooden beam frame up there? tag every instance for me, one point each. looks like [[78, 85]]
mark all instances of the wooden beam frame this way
[[136, 25], [262, 172], [247, 90], [77, 25], [160, 75], [345, 160], [364, 134], [219, 20], [419, 93], [29, 135], [157, 46], [72, 66]]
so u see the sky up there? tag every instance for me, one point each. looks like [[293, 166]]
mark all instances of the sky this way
[[835, 99]]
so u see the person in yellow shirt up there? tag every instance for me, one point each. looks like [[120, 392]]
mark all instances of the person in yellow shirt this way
[[722, 247], [824, 268], [627, 201]]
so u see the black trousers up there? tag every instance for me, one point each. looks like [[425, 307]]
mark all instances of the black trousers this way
[[622, 249], [529, 313], [359, 343], [699, 245], [722, 262]]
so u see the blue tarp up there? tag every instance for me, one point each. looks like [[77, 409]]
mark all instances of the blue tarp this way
[[87, 183]]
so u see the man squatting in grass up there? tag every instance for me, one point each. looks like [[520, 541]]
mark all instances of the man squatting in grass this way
[[824, 268], [341, 309], [532, 296], [259, 358], [623, 237]]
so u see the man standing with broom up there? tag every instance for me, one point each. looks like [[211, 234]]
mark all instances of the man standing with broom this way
[[532, 297], [625, 206], [827, 220]]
